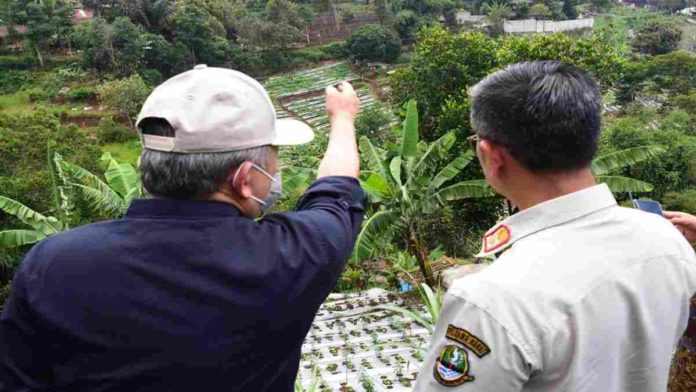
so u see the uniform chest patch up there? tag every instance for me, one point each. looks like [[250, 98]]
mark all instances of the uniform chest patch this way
[[496, 239], [452, 366]]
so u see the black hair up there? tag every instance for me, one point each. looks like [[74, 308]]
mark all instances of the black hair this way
[[547, 114]]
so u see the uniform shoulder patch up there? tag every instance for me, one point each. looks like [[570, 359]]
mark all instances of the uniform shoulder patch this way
[[452, 367], [469, 340], [496, 239]]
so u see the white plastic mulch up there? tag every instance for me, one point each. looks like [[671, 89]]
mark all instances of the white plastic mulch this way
[[356, 347]]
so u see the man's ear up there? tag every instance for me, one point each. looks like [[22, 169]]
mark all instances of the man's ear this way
[[495, 157], [240, 181]]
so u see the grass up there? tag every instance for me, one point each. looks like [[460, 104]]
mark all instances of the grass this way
[[127, 152], [16, 102]]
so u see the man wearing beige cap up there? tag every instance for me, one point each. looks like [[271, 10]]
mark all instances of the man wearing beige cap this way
[[189, 292]]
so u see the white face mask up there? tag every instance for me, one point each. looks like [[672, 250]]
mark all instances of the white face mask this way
[[276, 191]]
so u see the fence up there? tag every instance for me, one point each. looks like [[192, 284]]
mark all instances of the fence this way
[[545, 26]]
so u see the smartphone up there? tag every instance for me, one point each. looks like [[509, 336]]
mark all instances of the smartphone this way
[[648, 206]]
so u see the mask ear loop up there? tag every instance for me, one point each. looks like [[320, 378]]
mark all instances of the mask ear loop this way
[[257, 167], [267, 174]]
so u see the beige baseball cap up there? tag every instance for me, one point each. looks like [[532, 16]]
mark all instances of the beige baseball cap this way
[[217, 110]]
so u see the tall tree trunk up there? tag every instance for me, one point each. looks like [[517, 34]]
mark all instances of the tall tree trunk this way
[[38, 54], [335, 12]]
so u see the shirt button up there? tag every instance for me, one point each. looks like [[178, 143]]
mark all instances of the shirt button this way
[[344, 204]]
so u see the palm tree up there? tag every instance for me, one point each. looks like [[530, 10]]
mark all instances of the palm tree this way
[[406, 184], [496, 13], [604, 165]]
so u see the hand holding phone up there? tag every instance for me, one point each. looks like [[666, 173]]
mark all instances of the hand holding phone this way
[[648, 206]]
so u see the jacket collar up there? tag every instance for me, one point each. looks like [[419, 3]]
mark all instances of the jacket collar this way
[[545, 215], [180, 209]]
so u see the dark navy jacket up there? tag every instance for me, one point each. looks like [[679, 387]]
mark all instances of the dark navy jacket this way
[[177, 296]]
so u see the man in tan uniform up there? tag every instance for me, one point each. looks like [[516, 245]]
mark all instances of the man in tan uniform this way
[[586, 296]]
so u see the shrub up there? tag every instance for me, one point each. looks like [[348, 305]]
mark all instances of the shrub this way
[[152, 77], [124, 95], [24, 174], [372, 122], [657, 37], [13, 81], [81, 94], [374, 42], [675, 171], [37, 94], [680, 201], [110, 131], [335, 50], [16, 63]]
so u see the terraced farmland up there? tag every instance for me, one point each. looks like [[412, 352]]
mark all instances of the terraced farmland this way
[[301, 94], [313, 110], [309, 80]]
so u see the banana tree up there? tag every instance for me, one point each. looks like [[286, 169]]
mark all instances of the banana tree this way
[[41, 226], [603, 166], [409, 182], [113, 196]]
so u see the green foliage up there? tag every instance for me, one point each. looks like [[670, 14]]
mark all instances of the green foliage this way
[[595, 54], [657, 37], [372, 122], [444, 65], [659, 77], [37, 94], [496, 13], [313, 383], [408, 182], [113, 47], [25, 175], [110, 131], [374, 42], [125, 95], [281, 27], [569, 9], [81, 94], [13, 81], [111, 197], [407, 23], [41, 226], [540, 11], [165, 57], [433, 305], [9, 63], [675, 171], [612, 162], [680, 201], [48, 23]]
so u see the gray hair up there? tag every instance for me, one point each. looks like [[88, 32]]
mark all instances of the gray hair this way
[[193, 176]]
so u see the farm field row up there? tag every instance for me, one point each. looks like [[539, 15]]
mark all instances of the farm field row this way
[[309, 80], [355, 347], [300, 94]]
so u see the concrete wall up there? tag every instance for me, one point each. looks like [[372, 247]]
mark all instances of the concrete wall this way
[[545, 26]]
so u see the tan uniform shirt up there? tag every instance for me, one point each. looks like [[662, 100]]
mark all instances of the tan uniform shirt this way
[[587, 296]]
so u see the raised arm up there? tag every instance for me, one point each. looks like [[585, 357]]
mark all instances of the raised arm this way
[[341, 158]]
